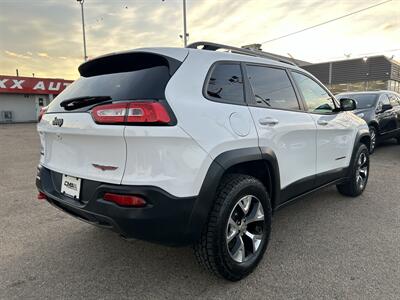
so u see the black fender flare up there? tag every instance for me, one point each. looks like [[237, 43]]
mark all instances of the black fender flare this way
[[375, 124], [216, 171], [359, 136]]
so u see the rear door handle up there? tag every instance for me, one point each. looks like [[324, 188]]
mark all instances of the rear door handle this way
[[322, 122], [268, 121]]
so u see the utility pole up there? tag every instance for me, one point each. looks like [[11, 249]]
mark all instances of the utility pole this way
[[184, 24], [83, 30], [185, 34]]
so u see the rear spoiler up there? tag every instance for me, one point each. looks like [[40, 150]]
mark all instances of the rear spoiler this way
[[126, 62]]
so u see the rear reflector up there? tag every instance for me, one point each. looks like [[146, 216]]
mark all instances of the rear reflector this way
[[125, 200], [42, 112], [131, 112], [41, 196]]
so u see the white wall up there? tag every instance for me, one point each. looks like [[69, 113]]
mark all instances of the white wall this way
[[24, 107]]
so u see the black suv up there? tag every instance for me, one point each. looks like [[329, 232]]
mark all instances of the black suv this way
[[381, 111]]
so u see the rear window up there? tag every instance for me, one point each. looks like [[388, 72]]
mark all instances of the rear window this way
[[139, 76], [363, 100]]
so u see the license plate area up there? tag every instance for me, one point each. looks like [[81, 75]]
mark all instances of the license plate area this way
[[71, 186]]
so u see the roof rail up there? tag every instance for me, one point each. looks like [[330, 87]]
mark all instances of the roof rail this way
[[214, 47]]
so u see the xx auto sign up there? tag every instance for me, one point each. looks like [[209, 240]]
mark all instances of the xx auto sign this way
[[32, 85]]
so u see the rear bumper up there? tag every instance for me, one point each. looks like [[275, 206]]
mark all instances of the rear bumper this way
[[165, 220]]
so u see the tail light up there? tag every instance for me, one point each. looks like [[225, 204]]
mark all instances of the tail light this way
[[125, 200], [42, 112], [41, 196], [131, 112]]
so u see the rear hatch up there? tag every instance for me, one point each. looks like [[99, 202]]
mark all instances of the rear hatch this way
[[76, 142]]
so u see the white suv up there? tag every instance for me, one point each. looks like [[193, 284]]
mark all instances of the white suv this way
[[188, 146]]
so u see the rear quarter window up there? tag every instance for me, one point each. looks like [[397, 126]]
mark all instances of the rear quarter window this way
[[225, 83]]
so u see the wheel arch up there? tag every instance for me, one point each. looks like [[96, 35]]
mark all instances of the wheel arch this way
[[255, 161], [362, 137], [374, 124], [365, 139]]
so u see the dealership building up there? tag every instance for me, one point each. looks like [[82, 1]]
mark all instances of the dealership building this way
[[360, 74], [22, 97]]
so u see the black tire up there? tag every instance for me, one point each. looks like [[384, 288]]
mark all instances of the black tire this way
[[398, 140], [355, 186], [374, 138], [212, 250]]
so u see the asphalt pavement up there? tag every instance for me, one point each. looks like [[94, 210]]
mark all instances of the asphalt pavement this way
[[323, 246]]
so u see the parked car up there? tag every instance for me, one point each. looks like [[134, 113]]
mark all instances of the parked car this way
[[187, 146], [381, 111]]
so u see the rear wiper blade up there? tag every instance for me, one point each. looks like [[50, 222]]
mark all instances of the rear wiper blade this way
[[79, 102]]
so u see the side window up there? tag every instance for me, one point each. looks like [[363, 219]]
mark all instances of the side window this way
[[385, 99], [272, 87], [226, 83], [393, 100], [316, 98]]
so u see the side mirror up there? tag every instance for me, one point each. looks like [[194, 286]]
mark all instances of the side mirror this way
[[383, 107], [386, 107], [347, 104]]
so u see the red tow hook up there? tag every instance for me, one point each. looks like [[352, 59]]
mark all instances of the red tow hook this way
[[41, 196]]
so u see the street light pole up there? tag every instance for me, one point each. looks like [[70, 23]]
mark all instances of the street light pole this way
[[185, 34], [83, 30], [184, 24]]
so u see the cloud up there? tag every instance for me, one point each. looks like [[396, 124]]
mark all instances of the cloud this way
[[55, 37], [43, 54], [13, 54], [390, 26]]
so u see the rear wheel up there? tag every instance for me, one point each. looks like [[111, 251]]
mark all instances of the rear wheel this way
[[237, 233], [358, 174], [398, 140], [373, 134]]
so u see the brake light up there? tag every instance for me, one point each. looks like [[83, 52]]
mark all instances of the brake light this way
[[42, 112], [131, 112], [125, 200], [147, 112]]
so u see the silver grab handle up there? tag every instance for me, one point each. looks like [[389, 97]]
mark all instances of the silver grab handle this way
[[268, 121], [322, 122]]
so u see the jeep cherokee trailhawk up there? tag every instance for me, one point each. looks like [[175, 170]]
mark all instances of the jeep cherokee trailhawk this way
[[194, 146]]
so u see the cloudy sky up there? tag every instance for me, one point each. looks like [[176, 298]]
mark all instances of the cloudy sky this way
[[45, 36]]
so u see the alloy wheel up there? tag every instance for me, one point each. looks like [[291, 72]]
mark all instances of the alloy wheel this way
[[373, 139], [245, 228], [362, 171]]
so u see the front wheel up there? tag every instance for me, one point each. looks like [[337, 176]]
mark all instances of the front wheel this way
[[235, 238], [359, 172], [373, 134]]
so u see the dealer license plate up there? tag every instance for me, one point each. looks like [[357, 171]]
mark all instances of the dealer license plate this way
[[71, 186]]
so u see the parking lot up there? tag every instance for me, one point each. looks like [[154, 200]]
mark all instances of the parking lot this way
[[322, 246]]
